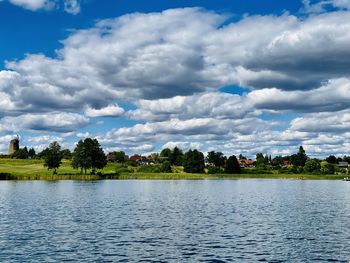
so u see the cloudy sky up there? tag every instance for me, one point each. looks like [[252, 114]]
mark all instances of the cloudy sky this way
[[241, 76]]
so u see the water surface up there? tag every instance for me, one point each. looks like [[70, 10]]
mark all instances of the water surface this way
[[175, 221]]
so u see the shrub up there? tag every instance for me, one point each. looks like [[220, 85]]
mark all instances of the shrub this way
[[149, 169], [312, 166], [215, 170], [165, 167]]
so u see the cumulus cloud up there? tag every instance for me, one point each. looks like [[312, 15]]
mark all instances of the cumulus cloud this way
[[171, 64], [323, 122], [60, 122], [109, 111], [180, 52], [322, 6], [70, 6], [203, 105]]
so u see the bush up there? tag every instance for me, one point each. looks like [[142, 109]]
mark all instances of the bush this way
[[122, 170], [327, 168], [215, 170], [149, 169], [312, 166], [165, 167]]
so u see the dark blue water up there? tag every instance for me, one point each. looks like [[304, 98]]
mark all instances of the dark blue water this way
[[175, 221]]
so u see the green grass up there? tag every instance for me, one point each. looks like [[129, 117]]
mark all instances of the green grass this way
[[34, 170]]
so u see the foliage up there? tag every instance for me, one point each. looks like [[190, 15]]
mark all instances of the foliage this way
[[31, 153], [21, 153], [173, 156], [149, 169], [176, 156], [165, 154], [66, 154], [261, 161], [216, 159], [193, 162], [331, 159], [232, 165], [312, 166], [117, 156], [165, 167], [327, 168], [88, 154], [215, 170], [53, 157], [300, 158]]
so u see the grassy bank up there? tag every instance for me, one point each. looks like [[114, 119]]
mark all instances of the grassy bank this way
[[12, 169]]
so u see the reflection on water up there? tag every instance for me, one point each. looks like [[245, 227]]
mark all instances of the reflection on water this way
[[172, 221]]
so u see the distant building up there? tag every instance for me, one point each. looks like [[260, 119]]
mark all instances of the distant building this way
[[244, 163], [136, 158], [14, 145], [343, 164]]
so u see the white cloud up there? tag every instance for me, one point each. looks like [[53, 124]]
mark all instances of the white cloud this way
[[70, 6], [171, 64], [109, 111], [60, 122]]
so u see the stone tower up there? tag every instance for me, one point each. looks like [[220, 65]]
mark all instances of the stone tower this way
[[14, 145]]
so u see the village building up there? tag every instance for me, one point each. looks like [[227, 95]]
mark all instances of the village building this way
[[244, 163]]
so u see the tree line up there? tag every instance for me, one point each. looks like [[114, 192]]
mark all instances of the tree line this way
[[88, 155]]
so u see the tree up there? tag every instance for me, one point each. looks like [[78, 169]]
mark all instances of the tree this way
[[53, 157], [193, 162], [165, 154], [242, 157], [261, 161], [232, 165], [21, 153], [120, 156], [66, 154], [300, 158], [31, 153], [312, 166], [327, 168], [165, 167], [216, 159], [176, 156], [88, 154], [331, 159]]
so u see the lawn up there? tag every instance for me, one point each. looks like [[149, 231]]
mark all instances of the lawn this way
[[34, 170]]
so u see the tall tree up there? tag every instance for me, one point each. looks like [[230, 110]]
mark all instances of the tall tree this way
[[165, 155], [216, 159], [88, 154], [53, 157], [260, 160], [31, 153], [232, 165], [300, 158], [331, 159], [193, 162], [120, 156], [176, 156]]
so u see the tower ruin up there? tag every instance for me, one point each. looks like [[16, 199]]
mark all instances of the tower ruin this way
[[14, 145]]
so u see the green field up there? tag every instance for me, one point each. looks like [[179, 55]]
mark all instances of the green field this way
[[13, 169]]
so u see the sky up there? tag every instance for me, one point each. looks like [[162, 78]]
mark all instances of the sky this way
[[240, 77]]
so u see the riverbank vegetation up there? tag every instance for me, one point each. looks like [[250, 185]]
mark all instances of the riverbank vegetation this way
[[89, 162]]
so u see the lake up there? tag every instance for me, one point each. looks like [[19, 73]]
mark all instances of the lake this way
[[175, 221]]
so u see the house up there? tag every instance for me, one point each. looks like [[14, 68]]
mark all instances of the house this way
[[136, 158], [243, 163], [141, 160], [343, 165], [286, 164]]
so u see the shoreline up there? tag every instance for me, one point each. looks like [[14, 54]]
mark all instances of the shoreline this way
[[164, 176]]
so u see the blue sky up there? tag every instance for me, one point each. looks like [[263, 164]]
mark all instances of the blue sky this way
[[237, 76]]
